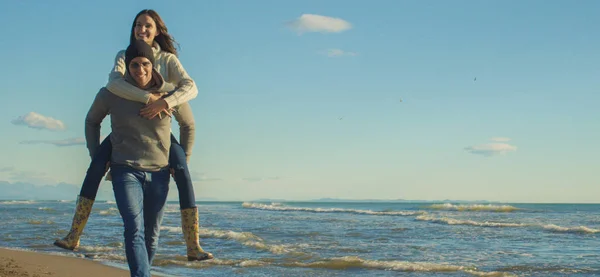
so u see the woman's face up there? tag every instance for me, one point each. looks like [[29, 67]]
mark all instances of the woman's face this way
[[145, 29], [140, 68]]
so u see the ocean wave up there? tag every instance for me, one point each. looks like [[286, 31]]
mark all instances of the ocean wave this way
[[110, 211], [182, 261], [547, 227], [279, 207], [219, 234], [39, 222], [473, 208], [106, 257], [548, 269], [46, 209], [172, 208], [576, 230], [349, 262], [250, 240], [96, 248], [16, 202], [245, 238], [453, 221], [340, 263]]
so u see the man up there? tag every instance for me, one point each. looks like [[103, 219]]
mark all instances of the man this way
[[140, 155]]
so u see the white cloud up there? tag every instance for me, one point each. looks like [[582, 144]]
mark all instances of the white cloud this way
[[500, 139], [38, 121], [307, 23], [332, 53], [64, 142], [491, 149]]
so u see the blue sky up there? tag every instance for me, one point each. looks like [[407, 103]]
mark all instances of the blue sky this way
[[302, 99]]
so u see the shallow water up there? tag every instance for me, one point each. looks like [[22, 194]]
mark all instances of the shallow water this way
[[337, 239]]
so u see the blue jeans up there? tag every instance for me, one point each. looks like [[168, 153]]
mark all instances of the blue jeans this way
[[177, 161], [141, 198]]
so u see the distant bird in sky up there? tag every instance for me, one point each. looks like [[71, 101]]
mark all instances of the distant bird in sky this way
[[340, 118], [474, 79], [400, 99]]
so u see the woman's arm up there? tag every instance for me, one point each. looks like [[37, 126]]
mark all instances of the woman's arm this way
[[118, 86], [185, 90]]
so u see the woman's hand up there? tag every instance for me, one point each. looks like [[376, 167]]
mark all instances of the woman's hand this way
[[154, 109], [153, 98]]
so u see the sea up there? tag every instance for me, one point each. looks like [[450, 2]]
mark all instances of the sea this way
[[336, 238]]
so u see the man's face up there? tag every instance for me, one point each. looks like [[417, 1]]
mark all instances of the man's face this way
[[140, 68]]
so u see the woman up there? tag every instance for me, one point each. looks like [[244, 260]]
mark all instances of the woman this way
[[149, 27]]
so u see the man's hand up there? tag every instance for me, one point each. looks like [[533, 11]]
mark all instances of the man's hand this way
[[107, 167], [154, 109]]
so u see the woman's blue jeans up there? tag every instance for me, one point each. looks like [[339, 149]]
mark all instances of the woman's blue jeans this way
[[177, 161], [141, 197]]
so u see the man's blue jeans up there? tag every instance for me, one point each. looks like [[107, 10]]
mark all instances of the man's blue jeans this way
[[177, 161], [141, 198]]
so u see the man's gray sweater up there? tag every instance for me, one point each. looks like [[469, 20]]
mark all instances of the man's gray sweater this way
[[138, 142]]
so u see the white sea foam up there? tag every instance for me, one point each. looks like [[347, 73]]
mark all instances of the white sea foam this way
[[473, 207], [167, 261], [279, 207], [110, 211], [96, 248], [252, 263], [17, 202], [339, 263], [577, 229], [39, 222], [245, 238], [547, 227], [348, 262], [453, 221], [107, 257]]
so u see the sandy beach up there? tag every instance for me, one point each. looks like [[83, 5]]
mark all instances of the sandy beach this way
[[30, 264]]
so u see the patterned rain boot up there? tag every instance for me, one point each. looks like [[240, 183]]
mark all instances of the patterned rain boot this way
[[82, 213], [190, 228]]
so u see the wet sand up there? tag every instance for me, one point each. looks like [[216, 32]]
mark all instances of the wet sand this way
[[31, 264]]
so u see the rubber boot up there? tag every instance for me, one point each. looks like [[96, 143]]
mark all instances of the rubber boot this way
[[82, 213], [190, 228]]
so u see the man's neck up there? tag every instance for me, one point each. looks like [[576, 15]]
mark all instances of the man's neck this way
[[150, 84]]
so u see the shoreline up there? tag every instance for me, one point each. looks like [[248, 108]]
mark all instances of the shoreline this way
[[26, 263]]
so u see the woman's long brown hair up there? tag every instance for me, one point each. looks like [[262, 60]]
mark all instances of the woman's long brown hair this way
[[164, 39]]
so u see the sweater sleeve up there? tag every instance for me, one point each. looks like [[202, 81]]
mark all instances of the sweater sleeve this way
[[187, 129], [118, 86], [98, 111], [186, 89]]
